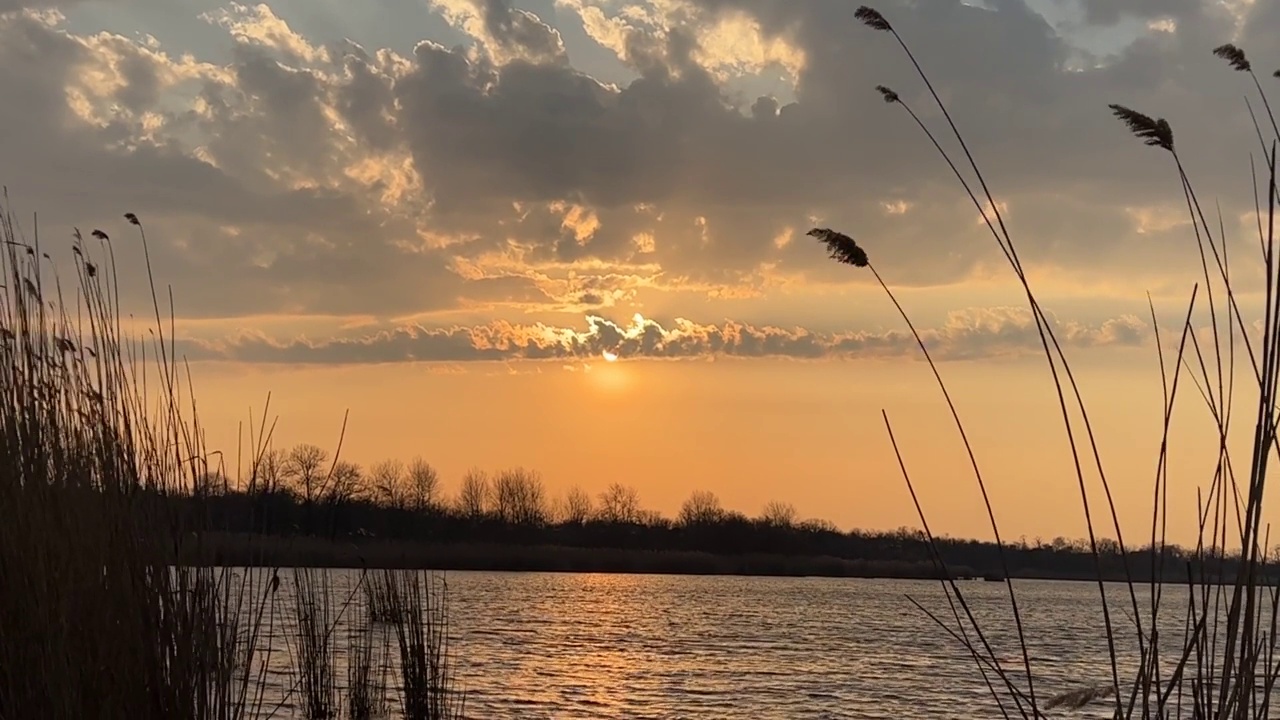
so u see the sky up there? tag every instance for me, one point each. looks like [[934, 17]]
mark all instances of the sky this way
[[569, 235]]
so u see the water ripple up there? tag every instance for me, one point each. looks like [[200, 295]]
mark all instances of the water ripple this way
[[572, 647]]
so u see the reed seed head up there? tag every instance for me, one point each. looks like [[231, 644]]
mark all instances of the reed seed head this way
[[1234, 56], [99, 235], [1276, 74], [133, 219], [889, 95], [873, 19], [1156, 133], [841, 247]]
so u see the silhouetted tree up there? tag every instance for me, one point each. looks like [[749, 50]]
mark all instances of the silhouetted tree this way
[[779, 514], [577, 506], [473, 494], [818, 525], [620, 504], [305, 471], [702, 508], [517, 497], [389, 484], [270, 473], [346, 483], [423, 485]]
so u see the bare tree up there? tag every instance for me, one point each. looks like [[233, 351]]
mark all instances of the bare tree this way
[[702, 508], [779, 514], [346, 483], [818, 525], [423, 485], [389, 483], [270, 472], [305, 471], [620, 504], [518, 497], [473, 494], [577, 506]]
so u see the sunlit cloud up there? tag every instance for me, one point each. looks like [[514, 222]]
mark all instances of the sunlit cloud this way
[[969, 334]]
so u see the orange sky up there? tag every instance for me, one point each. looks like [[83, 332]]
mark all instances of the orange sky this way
[[442, 215], [808, 432]]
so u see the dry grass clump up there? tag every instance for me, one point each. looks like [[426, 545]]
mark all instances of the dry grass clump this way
[[427, 690], [94, 620], [1225, 664], [368, 646], [99, 614], [379, 599], [313, 644]]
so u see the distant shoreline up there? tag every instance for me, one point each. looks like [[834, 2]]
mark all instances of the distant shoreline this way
[[247, 550]]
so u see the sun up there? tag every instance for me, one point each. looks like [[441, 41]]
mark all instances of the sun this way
[[609, 356]]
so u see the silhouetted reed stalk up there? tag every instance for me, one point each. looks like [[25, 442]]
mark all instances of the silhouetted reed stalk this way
[[427, 689], [312, 648], [367, 645], [844, 249], [378, 599], [1223, 662], [95, 619], [104, 609]]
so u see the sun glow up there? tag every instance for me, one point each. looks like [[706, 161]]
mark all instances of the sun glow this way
[[610, 356]]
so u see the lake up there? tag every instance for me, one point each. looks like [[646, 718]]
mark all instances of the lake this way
[[650, 646]]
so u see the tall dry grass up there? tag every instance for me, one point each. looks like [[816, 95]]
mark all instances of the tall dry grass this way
[[418, 604], [99, 616], [1223, 663], [94, 619]]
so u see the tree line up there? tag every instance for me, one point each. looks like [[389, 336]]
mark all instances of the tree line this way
[[303, 491]]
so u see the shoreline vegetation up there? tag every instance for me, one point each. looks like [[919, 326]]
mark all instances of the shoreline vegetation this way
[[98, 451], [1224, 662], [360, 553]]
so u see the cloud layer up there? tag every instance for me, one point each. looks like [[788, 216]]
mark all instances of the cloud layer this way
[[287, 173], [988, 332]]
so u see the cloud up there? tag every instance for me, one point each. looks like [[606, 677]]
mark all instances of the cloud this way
[[507, 33], [300, 174], [968, 334]]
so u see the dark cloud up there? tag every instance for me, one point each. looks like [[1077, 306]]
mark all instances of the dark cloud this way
[[312, 177], [521, 31], [975, 333]]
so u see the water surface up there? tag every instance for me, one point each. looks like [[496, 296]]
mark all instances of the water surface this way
[[651, 646]]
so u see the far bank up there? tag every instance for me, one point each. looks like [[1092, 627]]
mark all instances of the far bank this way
[[254, 550]]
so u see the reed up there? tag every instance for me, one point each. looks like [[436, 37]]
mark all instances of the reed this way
[[313, 646], [379, 600], [427, 687], [95, 620], [1224, 665], [102, 469], [368, 643]]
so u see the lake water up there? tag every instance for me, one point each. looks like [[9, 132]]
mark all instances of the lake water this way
[[534, 646]]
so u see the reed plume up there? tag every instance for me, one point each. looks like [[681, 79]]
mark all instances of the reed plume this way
[[1153, 132], [873, 19], [1234, 56], [841, 247], [888, 94]]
